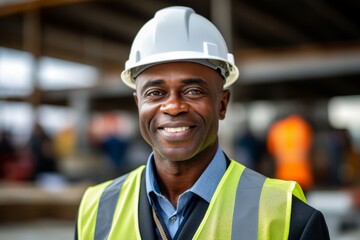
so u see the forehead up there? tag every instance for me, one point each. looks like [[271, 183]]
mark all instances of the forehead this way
[[177, 71]]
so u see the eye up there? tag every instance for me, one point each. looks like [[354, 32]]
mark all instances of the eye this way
[[194, 92], [154, 93]]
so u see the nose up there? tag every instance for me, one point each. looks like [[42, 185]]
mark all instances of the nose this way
[[174, 105]]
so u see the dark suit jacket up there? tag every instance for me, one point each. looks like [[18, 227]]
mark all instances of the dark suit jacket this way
[[307, 222]]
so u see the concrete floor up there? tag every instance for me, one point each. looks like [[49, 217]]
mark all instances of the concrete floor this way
[[38, 230]]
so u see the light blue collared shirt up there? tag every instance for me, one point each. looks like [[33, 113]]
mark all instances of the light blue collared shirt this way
[[204, 187]]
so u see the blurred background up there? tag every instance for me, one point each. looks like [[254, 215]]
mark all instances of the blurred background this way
[[67, 121]]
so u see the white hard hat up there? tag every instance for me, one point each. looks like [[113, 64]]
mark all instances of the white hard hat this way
[[179, 34]]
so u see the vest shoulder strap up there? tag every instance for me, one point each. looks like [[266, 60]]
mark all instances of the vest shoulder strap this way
[[275, 208], [247, 205], [217, 222], [88, 211], [102, 206]]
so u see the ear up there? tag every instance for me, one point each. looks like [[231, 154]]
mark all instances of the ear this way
[[135, 98], [224, 101]]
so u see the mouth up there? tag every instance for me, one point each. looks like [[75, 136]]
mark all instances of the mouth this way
[[176, 129], [176, 133]]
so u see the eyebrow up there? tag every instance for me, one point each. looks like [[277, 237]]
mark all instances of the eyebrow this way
[[197, 81], [151, 83], [158, 82]]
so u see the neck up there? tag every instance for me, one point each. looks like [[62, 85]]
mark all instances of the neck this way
[[175, 177]]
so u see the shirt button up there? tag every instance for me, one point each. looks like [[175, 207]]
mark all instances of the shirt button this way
[[173, 219]]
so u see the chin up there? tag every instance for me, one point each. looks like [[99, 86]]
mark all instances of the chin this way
[[174, 154], [180, 154]]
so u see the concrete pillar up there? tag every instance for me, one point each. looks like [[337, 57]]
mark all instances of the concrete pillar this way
[[221, 16], [79, 102], [32, 44]]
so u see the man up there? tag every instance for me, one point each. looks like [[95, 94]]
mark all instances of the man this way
[[180, 68]]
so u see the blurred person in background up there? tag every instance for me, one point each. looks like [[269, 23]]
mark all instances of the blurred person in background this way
[[106, 134], [7, 151], [115, 149], [344, 162], [16, 164], [336, 162], [289, 142], [180, 69], [65, 142], [43, 152], [248, 149]]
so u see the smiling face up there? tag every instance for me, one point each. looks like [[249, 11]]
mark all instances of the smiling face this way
[[180, 105]]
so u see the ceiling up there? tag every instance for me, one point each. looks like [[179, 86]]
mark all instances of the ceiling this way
[[305, 49]]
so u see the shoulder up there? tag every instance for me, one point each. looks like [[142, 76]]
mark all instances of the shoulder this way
[[110, 187], [306, 222]]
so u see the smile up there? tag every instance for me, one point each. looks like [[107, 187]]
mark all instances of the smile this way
[[176, 129]]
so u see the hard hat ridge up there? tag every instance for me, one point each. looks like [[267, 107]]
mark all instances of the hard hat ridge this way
[[179, 34], [180, 14]]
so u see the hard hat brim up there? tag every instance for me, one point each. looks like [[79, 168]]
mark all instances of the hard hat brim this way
[[128, 77]]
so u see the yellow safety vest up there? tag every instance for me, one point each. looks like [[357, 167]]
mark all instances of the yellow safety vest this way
[[245, 205]]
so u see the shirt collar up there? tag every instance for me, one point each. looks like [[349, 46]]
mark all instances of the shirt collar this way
[[204, 187]]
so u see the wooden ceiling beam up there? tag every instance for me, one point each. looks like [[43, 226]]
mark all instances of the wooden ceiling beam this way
[[264, 23], [333, 16], [89, 49], [21, 6], [147, 8], [120, 25], [289, 64]]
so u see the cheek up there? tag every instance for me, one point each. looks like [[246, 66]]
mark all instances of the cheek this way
[[146, 115], [209, 112], [214, 108]]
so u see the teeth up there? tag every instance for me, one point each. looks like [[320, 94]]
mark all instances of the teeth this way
[[177, 129]]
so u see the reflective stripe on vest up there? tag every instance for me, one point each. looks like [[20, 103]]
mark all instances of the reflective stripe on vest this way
[[245, 205], [108, 204]]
